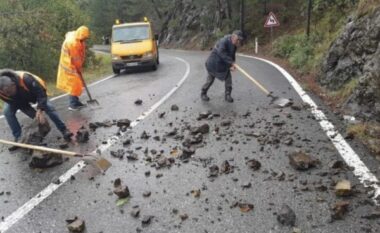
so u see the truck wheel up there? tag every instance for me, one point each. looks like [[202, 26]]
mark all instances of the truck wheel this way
[[115, 70]]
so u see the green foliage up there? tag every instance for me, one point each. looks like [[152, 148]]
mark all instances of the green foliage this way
[[296, 48], [31, 33]]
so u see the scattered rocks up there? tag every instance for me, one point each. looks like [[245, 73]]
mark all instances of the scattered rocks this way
[[123, 123], [196, 193], [147, 194], [138, 102], [145, 135], [339, 210], [301, 161], [343, 188], [225, 167], [203, 129], [286, 216], [183, 217], [135, 212], [174, 107], [75, 225], [213, 171], [146, 220], [120, 190], [118, 154], [253, 164], [132, 157], [82, 135], [245, 207], [225, 123], [45, 160], [186, 153]]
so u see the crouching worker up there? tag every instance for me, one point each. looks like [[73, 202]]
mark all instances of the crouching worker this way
[[18, 89]]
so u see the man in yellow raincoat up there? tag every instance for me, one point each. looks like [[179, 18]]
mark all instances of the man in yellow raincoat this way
[[69, 78]]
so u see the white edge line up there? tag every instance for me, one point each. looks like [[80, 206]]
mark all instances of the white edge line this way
[[45, 193], [63, 95], [352, 159]]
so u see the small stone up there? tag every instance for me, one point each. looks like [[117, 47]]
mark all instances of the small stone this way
[[245, 207], [147, 194], [286, 216], [123, 123], [45, 160], [138, 102], [225, 167], [120, 190], [146, 220], [196, 193], [225, 123], [144, 135], [183, 217], [253, 164], [174, 107], [82, 135], [339, 210], [301, 161], [118, 154], [135, 212], [343, 188], [75, 225], [133, 157], [213, 171]]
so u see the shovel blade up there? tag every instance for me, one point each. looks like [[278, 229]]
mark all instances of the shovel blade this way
[[103, 164], [93, 102], [282, 102]]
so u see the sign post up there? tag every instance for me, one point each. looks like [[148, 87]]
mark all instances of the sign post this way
[[271, 22]]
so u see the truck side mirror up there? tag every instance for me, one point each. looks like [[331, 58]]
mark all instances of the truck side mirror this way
[[156, 36]]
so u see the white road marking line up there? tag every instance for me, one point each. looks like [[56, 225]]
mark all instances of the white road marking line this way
[[352, 159], [37, 199], [63, 95]]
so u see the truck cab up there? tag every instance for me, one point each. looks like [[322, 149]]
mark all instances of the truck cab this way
[[134, 45]]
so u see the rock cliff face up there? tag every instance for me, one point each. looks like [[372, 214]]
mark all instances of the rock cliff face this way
[[191, 24], [356, 55]]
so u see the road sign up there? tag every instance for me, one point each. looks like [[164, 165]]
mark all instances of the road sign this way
[[271, 21]]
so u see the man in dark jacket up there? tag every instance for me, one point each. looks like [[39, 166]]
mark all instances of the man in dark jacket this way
[[221, 62], [18, 90]]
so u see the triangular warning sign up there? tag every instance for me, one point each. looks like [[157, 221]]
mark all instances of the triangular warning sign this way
[[271, 21]]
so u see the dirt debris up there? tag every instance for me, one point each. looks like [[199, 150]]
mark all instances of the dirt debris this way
[[118, 154], [82, 135], [138, 102], [174, 107], [213, 171], [44, 160], [146, 220], [286, 216], [253, 164], [302, 161], [339, 210], [120, 190], [75, 225]]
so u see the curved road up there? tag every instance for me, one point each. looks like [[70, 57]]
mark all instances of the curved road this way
[[257, 131]]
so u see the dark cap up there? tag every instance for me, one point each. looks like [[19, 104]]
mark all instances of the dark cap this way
[[5, 82], [239, 34]]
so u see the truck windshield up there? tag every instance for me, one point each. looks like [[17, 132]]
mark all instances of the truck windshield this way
[[130, 33]]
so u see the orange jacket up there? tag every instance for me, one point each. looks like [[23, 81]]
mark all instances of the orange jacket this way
[[71, 62]]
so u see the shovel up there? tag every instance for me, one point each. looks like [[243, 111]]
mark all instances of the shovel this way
[[95, 160], [280, 102], [91, 102]]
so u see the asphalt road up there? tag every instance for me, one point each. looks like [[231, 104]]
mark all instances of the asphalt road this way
[[258, 131]]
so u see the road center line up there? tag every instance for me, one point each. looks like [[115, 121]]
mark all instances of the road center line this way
[[45, 193], [352, 159]]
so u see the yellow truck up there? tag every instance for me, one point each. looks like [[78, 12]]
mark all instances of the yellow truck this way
[[134, 45]]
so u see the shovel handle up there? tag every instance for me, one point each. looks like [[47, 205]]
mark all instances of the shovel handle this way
[[41, 148], [85, 87], [252, 79]]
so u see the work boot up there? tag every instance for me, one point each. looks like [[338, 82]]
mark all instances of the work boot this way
[[67, 135], [204, 96], [228, 98], [13, 148]]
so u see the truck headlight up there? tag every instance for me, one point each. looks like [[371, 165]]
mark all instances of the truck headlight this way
[[115, 57], [148, 54]]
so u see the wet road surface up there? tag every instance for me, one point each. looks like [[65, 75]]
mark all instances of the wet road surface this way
[[247, 129]]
